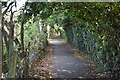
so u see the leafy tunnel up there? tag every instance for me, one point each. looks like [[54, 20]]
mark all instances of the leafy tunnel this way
[[93, 28]]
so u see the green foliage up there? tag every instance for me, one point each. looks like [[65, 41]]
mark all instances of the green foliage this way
[[90, 27], [102, 46], [93, 28], [34, 36]]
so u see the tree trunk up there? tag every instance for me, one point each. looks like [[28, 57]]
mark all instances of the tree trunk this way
[[9, 42], [24, 55], [22, 31], [1, 49], [14, 64], [11, 46], [11, 36]]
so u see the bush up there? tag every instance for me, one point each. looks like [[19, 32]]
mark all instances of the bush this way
[[97, 41]]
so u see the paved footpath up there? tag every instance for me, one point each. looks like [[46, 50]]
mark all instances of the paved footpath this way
[[65, 64]]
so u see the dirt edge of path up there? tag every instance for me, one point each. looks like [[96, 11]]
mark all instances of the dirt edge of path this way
[[41, 67]]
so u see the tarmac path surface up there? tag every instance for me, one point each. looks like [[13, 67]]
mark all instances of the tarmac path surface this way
[[65, 64]]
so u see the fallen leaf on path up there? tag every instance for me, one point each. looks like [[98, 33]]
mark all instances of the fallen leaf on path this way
[[41, 68]]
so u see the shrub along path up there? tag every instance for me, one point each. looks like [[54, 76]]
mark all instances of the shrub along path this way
[[66, 65]]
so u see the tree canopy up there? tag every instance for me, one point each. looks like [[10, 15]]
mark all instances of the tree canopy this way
[[90, 27]]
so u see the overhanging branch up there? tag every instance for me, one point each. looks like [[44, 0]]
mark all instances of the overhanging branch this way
[[7, 8]]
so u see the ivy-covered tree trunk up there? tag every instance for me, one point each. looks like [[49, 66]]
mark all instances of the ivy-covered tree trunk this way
[[0, 40]]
